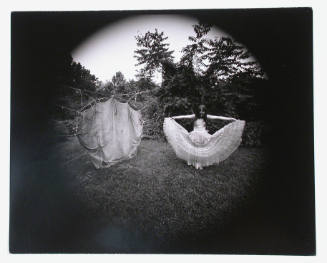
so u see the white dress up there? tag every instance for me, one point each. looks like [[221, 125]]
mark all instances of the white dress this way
[[199, 148]]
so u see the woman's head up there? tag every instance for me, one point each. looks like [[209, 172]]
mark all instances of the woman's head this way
[[201, 111]]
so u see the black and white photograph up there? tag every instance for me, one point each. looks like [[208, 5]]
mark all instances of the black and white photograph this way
[[162, 132]]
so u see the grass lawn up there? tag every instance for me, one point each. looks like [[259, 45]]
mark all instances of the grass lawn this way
[[153, 202], [157, 195]]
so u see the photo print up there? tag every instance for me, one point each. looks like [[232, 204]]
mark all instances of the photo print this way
[[163, 131]]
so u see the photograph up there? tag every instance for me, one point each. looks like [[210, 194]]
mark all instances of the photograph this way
[[162, 132]]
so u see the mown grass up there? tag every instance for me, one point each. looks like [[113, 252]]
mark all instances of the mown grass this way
[[155, 199], [152, 203]]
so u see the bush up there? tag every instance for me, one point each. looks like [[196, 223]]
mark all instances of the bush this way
[[153, 116], [255, 134]]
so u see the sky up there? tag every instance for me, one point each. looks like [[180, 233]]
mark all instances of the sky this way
[[111, 49]]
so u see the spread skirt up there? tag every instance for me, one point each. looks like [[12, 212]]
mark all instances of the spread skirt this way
[[199, 148]]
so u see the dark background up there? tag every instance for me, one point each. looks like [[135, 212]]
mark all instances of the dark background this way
[[281, 39]]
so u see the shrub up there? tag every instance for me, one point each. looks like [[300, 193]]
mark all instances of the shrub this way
[[255, 134]]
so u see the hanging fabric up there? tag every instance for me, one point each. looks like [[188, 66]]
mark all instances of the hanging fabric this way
[[111, 132]]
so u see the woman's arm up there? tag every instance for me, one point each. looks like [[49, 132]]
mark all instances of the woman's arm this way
[[184, 117], [214, 117]]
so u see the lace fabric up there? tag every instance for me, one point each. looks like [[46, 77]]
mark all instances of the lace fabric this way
[[199, 148]]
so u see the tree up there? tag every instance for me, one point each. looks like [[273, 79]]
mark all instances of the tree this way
[[222, 71], [219, 58], [152, 49], [192, 52], [226, 58], [81, 78], [144, 84], [107, 87], [119, 82], [219, 72]]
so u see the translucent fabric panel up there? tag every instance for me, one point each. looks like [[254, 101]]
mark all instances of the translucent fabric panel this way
[[111, 132]]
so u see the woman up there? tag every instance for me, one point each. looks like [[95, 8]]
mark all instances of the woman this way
[[199, 148]]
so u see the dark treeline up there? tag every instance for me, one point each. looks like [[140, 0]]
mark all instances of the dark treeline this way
[[77, 89], [219, 73]]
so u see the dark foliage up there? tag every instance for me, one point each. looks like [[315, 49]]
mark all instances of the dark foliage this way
[[219, 73], [151, 50]]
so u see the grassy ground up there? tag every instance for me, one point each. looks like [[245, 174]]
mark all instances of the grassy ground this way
[[156, 196], [151, 203], [154, 203]]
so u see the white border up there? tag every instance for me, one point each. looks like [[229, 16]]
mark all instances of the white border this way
[[320, 133]]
